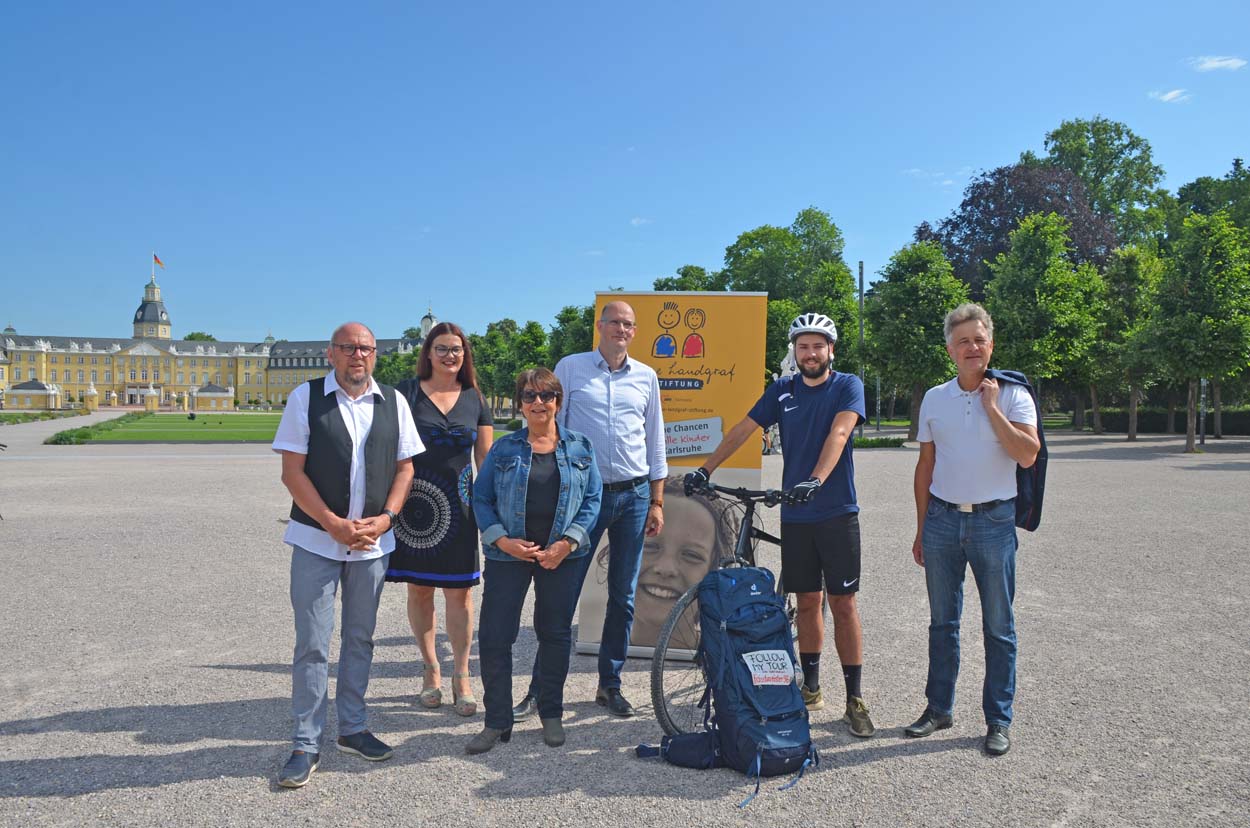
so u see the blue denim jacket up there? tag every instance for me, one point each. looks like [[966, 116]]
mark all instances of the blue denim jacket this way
[[499, 492]]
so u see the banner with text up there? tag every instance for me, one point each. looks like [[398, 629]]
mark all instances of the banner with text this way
[[708, 350]]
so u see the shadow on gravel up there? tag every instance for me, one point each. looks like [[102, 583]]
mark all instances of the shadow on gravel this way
[[578, 664]]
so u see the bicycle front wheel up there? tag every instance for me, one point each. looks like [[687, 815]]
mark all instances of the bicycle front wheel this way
[[677, 678]]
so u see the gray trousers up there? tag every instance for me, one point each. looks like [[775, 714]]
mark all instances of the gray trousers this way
[[314, 581]]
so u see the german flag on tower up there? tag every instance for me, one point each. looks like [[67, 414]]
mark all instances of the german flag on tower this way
[[157, 260]]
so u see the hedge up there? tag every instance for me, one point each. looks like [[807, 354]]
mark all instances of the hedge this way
[[1153, 420]]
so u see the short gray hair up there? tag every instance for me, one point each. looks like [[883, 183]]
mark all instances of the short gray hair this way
[[967, 312]]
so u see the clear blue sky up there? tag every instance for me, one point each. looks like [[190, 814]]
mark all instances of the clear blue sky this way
[[296, 164]]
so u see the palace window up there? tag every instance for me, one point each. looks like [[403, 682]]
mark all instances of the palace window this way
[[80, 360], [64, 376], [180, 378], [193, 378], [17, 374], [108, 376], [247, 377], [80, 375], [151, 330], [54, 359], [132, 375], [94, 375], [144, 375], [156, 374], [95, 360], [247, 363], [30, 357]]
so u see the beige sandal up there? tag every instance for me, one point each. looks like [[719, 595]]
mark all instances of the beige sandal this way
[[465, 705], [430, 697]]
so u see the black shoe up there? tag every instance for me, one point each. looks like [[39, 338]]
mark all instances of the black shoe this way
[[486, 740], [366, 745], [997, 742], [553, 732], [927, 723], [526, 709], [298, 769], [617, 705]]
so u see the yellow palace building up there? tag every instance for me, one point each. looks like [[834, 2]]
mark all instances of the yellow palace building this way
[[151, 368]]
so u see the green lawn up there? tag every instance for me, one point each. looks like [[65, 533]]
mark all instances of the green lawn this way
[[205, 428], [10, 417]]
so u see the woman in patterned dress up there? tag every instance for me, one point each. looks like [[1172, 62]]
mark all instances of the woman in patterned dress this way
[[436, 537]]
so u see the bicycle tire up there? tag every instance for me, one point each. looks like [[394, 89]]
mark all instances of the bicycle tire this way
[[678, 683]]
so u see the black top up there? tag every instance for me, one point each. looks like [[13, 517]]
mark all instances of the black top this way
[[542, 494]]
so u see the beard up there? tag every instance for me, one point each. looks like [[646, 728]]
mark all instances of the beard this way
[[815, 371]]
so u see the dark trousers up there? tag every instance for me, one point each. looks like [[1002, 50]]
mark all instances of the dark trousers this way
[[503, 596]]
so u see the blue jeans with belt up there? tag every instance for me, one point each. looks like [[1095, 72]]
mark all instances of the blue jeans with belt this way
[[986, 541]]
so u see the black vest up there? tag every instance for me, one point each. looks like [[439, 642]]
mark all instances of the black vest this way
[[329, 461]]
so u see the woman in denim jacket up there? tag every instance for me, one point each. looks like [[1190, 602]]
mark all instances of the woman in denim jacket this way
[[536, 498]]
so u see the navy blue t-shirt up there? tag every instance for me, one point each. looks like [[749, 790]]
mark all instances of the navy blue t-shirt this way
[[806, 414]]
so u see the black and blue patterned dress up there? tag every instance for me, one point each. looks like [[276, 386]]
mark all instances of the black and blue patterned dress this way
[[436, 540]]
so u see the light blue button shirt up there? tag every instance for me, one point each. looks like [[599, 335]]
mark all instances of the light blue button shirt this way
[[619, 411]]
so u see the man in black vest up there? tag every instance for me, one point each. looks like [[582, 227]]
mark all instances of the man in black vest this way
[[347, 445]]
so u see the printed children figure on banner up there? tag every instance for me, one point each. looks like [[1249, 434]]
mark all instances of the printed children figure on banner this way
[[665, 345], [692, 348]]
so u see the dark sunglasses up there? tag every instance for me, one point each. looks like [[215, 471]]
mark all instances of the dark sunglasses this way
[[529, 395]]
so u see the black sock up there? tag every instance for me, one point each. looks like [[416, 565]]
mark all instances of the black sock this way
[[810, 662], [851, 673]]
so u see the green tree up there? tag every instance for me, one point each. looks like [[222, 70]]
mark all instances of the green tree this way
[[1132, 279], [1201, 327], [905, 313], [199, 336], [1043, 324], [529, 347], [692, 277], [411, 333], [573, 332], [1118, 170], [395, 366]]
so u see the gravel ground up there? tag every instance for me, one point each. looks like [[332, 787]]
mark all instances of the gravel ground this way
[[147, 637]]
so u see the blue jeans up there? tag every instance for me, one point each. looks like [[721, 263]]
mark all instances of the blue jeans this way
[[624, 517], [986, 541], [314, 581], [503, 596]]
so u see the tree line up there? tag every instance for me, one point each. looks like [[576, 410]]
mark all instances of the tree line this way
[[1103, 285]]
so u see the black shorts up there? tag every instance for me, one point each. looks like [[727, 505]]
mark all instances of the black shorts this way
[[828, 550]]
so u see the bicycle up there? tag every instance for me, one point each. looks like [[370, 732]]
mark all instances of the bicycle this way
[[677, 678]]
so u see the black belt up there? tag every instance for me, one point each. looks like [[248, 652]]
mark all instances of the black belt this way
[[624, 485], [969, 507]]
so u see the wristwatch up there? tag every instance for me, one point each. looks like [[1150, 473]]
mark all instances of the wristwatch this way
[[394, 517], [573, 544]]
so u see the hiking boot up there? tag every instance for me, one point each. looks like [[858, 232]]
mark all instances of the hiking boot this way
[[812, 699], [857, 717]]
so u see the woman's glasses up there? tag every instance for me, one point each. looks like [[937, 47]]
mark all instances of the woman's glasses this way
[[444, 350], [529, 395]]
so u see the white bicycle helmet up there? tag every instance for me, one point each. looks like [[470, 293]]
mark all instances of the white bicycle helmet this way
[[816, 323]]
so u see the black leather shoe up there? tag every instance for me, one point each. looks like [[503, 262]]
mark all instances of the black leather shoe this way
[[617, 705], [553, 732], [927, 723], [526, 709], [997, 742]]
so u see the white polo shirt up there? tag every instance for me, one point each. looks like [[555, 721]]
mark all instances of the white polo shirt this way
[[357, 415], [971, 465]]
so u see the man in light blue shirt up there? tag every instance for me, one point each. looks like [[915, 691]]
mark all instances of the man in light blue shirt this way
[[615, 401]]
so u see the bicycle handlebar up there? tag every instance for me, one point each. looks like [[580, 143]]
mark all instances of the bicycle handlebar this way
[[769, 497]]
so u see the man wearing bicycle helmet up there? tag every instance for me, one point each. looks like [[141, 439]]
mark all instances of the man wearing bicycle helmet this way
[[817, 409]]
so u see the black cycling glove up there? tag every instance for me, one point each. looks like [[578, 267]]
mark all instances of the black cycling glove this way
[[696, 481], [805, 491]]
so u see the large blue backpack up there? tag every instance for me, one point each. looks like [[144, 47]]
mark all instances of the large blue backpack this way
[[755, 720]]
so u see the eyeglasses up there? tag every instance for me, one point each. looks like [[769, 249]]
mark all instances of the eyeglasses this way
[[623, 324], [350, 349], [529, 395], [443, 350]]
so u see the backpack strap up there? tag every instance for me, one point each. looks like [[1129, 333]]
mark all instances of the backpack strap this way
[[755, 769]]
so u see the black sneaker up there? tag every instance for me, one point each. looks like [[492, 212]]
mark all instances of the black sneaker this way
[[526, 709], [365, 745], [297, 770]]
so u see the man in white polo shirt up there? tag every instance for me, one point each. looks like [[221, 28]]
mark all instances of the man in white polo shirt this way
[[973, 431]]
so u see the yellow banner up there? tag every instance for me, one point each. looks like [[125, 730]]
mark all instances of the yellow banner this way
[[708, 350]]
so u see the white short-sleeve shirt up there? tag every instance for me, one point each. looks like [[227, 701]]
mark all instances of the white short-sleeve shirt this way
[[971, 465], [357, 415]]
